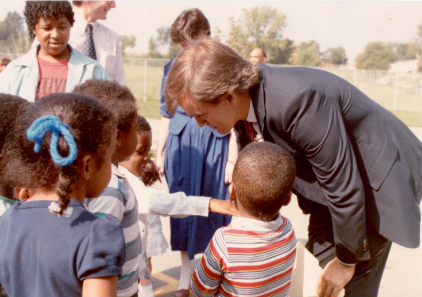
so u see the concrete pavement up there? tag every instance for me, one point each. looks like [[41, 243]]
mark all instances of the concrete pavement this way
[[402, 275]]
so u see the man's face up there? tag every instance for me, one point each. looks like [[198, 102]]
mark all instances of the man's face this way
[[257, 56], [220, 117], [97, 10]]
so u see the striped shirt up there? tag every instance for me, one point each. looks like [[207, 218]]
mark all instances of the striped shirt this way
[[107, 47], [119, 201], [5, 204], [250, 258]]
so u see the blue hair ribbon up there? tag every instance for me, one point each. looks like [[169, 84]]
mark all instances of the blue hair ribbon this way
[[52, 123]]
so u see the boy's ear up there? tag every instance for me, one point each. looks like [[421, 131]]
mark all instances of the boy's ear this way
[[118, 139], [288, 200], [232, 193]]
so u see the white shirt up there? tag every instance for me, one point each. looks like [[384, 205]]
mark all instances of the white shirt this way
[[252, 118], [107, 47]]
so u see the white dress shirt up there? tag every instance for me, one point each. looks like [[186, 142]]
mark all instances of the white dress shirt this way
[[107, 47]]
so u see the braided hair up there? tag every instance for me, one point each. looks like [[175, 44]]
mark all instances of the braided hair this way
[[35, 165]]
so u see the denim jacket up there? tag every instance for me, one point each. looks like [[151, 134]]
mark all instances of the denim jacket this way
[[22, 75]]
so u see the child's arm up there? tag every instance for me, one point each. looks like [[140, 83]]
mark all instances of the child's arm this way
[[179, 205], [232, 158], [208, 275], [100, 287]]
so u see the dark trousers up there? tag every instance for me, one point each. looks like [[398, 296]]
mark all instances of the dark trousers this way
[[368, 274]]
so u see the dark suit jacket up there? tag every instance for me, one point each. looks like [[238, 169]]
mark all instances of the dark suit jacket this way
[[352, 155]]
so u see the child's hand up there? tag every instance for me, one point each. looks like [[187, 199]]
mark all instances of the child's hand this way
[[150, 174], [223, 207]]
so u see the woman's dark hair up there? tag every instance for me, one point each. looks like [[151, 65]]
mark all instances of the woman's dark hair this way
[[34, 10], [92, 127], [143, 124], [118, 99], [191, 24]]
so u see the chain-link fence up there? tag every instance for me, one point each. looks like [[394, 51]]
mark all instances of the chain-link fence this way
[[401, 94]]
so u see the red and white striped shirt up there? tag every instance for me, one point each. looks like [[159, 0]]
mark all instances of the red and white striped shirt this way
[[250, 258]]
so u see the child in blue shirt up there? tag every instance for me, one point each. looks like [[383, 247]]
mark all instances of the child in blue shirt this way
[[50, 245]]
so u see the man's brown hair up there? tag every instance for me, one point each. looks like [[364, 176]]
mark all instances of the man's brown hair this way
[[263, 178], [191, 24], [207, 70]]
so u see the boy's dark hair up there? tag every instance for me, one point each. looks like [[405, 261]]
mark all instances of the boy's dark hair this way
[[92, 126], [77, 3], [11, 109], [143, 124], [190, 24], [34, 10], [263, 177], [116, 98]]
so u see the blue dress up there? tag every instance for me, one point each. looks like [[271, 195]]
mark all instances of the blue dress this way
[[195, 162]]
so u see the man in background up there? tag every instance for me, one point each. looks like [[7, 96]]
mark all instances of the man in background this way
[[3, 63], [257, 56], [96, 40]]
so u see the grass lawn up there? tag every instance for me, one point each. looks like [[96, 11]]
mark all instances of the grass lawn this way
[[134, 71]]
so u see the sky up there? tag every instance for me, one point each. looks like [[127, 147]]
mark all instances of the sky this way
[[348, 24]]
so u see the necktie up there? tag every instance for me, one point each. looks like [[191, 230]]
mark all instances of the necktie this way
[[251, 130], [89, 43]]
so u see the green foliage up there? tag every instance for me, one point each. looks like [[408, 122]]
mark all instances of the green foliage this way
[[261, 27], [306, 54], [13, 38], [407, 51], [335, 55], [126, 42], [163, 40], [376, 56]]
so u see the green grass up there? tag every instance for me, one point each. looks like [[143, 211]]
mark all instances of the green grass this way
[[134, 71]]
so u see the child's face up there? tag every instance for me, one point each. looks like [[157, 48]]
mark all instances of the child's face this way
[[140, 157], [100, 178], [127, 141], [53, 35]]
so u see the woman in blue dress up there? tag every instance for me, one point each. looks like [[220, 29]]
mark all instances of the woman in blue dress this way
[[197, 160]]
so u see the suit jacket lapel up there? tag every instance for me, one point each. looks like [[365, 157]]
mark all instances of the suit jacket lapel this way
[[257, 94]]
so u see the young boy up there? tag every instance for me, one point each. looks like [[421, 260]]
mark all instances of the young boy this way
[[119, 198], [254, 255], [53, 66]]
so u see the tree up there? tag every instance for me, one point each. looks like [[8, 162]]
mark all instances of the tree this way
[[407, 51], [126, 42], [162, 41], [261, 27], [377, 56], [335, 55], [306, 54], [13, 37], [153, 49]]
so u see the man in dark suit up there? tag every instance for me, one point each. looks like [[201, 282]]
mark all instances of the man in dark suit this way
[[358, 166]]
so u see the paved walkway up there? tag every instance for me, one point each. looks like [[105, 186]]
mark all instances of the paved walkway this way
[[402, 275]]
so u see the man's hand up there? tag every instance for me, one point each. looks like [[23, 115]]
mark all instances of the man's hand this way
[[334, 278], [223, 207]]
